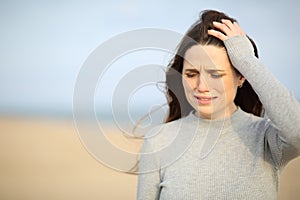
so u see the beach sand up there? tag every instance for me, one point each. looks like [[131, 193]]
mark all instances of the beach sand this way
[[44, 159]]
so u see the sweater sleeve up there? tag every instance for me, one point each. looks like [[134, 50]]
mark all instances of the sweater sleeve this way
[[149, 176], [282, 108]]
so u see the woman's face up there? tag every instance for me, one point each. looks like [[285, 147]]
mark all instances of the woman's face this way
[[210, 82]]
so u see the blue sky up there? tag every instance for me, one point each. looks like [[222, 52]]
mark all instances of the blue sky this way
[[45, 43]]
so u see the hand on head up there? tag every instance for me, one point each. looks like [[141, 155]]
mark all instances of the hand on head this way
[[228, 28]]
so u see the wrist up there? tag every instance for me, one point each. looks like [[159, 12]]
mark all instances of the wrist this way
[[239, 45]]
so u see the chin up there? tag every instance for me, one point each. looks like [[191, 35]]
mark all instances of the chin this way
[[204, 112]]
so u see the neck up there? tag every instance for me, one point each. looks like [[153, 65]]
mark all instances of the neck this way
[[218, 115]]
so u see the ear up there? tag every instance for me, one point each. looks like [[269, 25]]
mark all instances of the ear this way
[[241, 80]]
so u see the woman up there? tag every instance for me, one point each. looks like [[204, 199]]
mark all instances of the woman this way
[[216, 144]]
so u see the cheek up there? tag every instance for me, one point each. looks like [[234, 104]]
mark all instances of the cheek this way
[[226, 86], [188, 84], [230, 88], [217, 84]]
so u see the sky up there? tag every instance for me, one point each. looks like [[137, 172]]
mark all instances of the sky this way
[[44, 45]]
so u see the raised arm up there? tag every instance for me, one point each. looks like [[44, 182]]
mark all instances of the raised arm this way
[[281, 106]]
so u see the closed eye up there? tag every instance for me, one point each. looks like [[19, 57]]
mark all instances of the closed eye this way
[[191, 75], [216, 75]]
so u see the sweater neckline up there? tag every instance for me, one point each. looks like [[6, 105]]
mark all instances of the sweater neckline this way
[[238, 115]]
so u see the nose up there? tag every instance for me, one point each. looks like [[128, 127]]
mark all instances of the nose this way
[[202, 85]]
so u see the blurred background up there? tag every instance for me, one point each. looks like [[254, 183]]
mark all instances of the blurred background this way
[[43, 45]]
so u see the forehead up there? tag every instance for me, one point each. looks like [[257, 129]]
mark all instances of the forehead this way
[[206, 56]]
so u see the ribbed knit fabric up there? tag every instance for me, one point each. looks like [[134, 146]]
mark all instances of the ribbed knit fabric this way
[[239, 157]]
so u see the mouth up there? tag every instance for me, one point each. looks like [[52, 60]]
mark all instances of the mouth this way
[[204, 100]]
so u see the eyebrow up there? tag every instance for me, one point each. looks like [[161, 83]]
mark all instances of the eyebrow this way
[[214, 70], [191, 70], [207, 70]]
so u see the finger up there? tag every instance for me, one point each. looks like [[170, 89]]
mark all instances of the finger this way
[[222, 27], [228, 23], [237, 27], [217, 34]]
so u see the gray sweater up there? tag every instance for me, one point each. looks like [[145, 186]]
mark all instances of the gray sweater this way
[[239, 157]]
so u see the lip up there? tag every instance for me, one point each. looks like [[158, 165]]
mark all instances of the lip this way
[[204, 100]]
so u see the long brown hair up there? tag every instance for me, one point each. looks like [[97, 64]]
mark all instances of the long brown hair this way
[[246, 98]]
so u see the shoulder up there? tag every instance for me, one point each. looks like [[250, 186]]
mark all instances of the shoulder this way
[[252, 122]]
